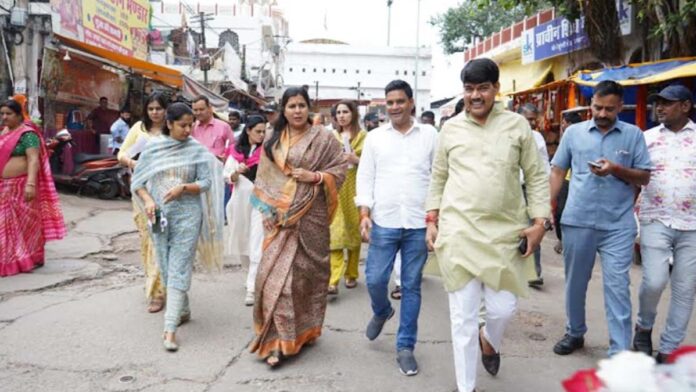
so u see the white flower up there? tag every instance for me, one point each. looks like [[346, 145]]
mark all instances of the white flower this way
[[628, 371]]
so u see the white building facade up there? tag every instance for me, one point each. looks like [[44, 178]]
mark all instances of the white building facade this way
[[334, 70], [259, 29]]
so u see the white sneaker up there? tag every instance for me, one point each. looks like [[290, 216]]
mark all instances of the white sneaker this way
[[249, 299]]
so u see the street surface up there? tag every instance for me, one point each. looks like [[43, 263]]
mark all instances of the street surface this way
[[80, 324]]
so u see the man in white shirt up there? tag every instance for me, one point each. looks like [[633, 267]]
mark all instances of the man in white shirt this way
[[530, 112], [668, 222], [392, 185]]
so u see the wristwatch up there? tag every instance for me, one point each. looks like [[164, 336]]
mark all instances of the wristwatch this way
[[547, 225]]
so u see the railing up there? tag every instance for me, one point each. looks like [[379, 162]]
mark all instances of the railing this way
[[508, 34]]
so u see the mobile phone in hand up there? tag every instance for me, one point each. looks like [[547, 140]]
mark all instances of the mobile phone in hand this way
[[594, 164], [522, 246]]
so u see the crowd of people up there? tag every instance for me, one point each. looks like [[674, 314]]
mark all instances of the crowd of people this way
[[300, 200]]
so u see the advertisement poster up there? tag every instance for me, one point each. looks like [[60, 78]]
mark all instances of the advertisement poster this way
[[120, 26]]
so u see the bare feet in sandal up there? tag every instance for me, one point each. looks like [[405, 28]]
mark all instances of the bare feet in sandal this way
[[333, 290], [351, 283], [396, 293], [273, 360], [156, 305]]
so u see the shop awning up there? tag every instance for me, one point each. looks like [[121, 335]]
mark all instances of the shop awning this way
[[639, 74], [149, 70], [525, 78]]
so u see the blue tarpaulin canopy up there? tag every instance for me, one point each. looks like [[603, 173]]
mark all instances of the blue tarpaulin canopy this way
[[644, 73]]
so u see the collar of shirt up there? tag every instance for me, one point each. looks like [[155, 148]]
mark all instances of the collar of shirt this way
[[690, 126], [414, 127], [497, 108], [592, 125]]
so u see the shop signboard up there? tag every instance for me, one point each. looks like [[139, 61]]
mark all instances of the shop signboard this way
[[120, 26], [561, 36]]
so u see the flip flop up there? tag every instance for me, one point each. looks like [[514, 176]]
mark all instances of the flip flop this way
[[156, 305], [396, 293], [351, 283]]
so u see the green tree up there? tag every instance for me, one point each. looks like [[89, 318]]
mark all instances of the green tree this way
[[472, 19], [669, 24]]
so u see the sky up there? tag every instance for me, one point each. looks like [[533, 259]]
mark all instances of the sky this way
[[364, 22]]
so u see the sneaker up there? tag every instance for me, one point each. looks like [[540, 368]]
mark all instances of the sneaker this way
[[249, 298], [374, 327], [407, 362], [568, 344], [642, 340]]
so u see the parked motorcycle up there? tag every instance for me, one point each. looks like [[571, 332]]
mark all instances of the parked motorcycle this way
[[92, 174]]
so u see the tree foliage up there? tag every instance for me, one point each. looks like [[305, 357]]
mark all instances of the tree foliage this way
[[473, 19], [670, 22]]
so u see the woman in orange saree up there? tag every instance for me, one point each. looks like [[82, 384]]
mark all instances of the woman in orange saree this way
[[296, 191]]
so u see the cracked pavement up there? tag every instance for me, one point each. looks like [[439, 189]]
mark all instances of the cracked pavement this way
[[79, 324]]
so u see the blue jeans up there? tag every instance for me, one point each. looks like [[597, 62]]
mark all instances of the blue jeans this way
[[615, 248], [657, 244], [384, 243]]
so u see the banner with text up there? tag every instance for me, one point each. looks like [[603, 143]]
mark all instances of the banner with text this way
[[117, 25], [561, 36]]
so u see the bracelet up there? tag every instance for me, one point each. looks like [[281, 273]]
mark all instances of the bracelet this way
[[431, 219], [321, 178]]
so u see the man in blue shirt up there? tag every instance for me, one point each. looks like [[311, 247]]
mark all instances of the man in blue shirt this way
[[119, 129], [609, 160]]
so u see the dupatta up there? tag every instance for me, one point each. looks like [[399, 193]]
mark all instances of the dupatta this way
[[52, 223], [166, 154], [279, 196]]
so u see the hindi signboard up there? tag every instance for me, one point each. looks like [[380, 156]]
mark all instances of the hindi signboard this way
[[561, 36], [120, 26]]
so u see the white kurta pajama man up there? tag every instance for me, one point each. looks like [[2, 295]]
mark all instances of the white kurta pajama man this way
[[476, 188]]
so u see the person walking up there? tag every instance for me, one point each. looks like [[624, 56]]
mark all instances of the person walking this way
[[345, 228], [245, 234], [30, 212], [667, 218], [119, 130], [567, 120], [479, 225], [392, 184], [531, 113], [608, 159], [138, 137], [296, 191], [176, 186]]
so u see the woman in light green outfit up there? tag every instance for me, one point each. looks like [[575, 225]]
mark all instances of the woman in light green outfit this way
[[345, 228]]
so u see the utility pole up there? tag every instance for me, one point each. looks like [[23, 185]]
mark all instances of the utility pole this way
[[389, 4], [204, 52], [316, 93], [358, 88], [415, 84]]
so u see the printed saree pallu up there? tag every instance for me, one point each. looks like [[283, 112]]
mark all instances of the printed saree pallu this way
[[26, 226], [291, 281]]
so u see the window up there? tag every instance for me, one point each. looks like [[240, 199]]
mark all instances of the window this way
[[414, 73], [303, 70], [369, 72], [333, 70], [405, 72], [357, 71], [290, 69], [397, 72], [423, 73], [345, 71], [324, 70], [315, 70]]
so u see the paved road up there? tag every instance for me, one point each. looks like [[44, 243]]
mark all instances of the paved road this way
[[79, 324]]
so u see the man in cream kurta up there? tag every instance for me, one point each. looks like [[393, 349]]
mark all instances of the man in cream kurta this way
[[477, 216]]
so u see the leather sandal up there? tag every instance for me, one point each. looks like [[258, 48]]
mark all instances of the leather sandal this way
[[396, 293], [351, 283]]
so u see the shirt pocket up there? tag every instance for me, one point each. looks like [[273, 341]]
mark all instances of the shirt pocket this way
[[506, 151], [623, 156]]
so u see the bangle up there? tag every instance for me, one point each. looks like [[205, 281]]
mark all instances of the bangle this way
[[321, 178], [431, 219]]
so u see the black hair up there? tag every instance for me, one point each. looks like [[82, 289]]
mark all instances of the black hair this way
[[243, 145], [202, 98], [100, 98], [428, 114], [14, 106], [235, 113], [282, 122], [479, 71], [458, 107], [125, 109], [399, 85], [528, 107], [161, 99], [334, 108], [175, 112], [572, 117], [608, 87]]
